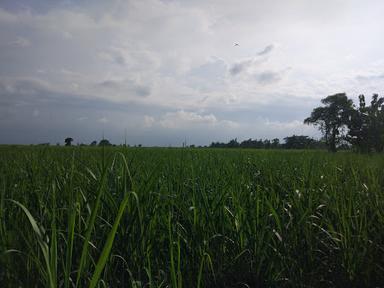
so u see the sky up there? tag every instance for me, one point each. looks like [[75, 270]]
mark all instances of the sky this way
[[162, 72]]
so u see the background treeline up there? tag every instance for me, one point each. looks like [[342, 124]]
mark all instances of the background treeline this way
[[343, 125], [292, 142], [366, 127]]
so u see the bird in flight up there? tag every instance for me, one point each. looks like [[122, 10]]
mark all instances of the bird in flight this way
[[236, 44]]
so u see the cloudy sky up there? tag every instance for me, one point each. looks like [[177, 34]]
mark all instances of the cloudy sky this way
[[165, 71]]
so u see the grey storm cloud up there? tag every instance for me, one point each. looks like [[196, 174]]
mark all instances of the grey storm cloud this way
[[127, 61], [119, 59], [27, 88], [20, 42], [266, 50], [268, 77], [126, 86], [35, 93], [243, 65], [239, 67], [31, 112], [370, 77]]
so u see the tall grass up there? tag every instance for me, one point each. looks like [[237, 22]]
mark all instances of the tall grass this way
[[118, 217]]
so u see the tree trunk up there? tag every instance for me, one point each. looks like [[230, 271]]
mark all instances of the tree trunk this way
[[332, 141]]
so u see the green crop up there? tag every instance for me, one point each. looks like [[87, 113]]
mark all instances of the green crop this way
[[161, 217]]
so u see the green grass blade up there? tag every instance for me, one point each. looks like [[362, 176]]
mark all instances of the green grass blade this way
[[43, 245], [90, 225], [108, 245]]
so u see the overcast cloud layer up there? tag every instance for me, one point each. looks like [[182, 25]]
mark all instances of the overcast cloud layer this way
[[166, 71]]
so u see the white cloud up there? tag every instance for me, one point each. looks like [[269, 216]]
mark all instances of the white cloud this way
[[148, 121], [20, 42], [295, 125], [67, 35], [183, 118], [103, 120], [186, 119]]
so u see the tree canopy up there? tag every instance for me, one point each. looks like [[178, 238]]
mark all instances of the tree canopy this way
[[366, 128], [104, 142], [332, 118], [68, 141], [340, 120], [299, 142], [291, 142]]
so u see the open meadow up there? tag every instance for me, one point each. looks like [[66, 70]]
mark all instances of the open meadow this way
[[182, 217]]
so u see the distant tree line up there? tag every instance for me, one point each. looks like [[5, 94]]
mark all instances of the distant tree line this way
[[344, 123], [291, 142], [104, 142]]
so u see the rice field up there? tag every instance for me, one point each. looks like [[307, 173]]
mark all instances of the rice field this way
[[168, 217]]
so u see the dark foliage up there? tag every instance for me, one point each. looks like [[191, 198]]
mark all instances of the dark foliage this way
[[366, 126], [105, 142], [291, 142], [341, 122], [68, 141], [332, 118]]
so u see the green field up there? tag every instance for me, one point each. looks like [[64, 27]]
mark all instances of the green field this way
[[163, 217]]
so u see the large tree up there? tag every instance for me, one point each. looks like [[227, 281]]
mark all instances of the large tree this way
[[299, 142], [366, 128], [68, 141], [332, 118], [105, 142], [376, 117]]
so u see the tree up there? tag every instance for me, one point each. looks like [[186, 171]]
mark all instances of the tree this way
[[275, 143], [376, 123], [104, 142], [233, 143], [299, 142], [366, 128], [358, 130], [68, 141], [332, 119], [267, 143], [94, 143]]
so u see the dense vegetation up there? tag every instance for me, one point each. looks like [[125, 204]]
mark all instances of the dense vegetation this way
[[291, 142], [343, 125], [342, 121], [139, 217]]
